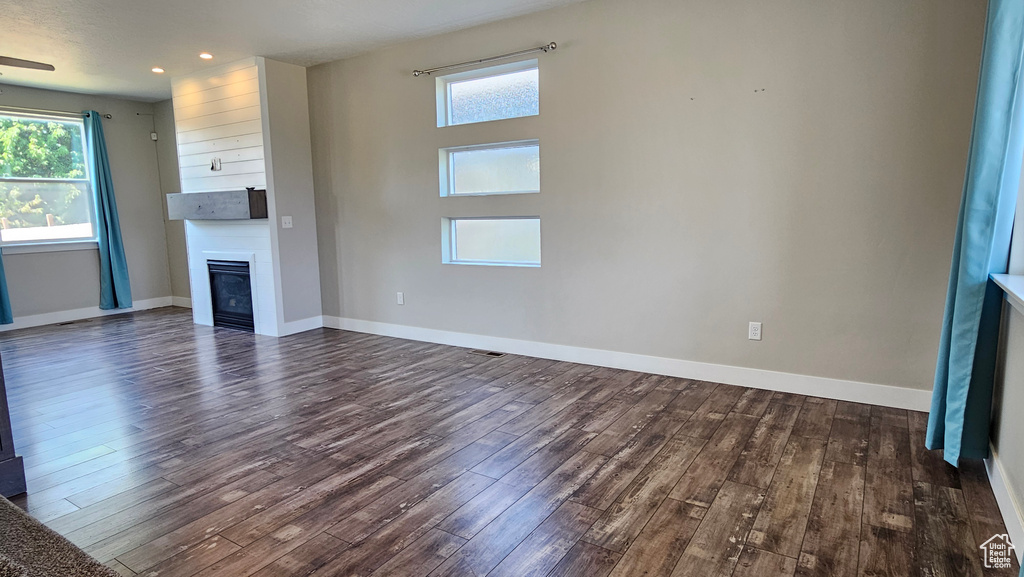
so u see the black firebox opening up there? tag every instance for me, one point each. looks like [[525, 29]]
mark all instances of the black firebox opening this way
[[232, 294]]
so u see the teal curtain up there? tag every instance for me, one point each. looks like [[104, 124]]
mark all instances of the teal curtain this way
[[964, 374], [6, 317], [115, 291]]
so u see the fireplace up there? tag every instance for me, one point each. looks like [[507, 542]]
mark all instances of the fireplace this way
[[231, 294]]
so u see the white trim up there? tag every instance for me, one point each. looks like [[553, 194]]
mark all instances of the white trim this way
[[79, 314], [885, 395], [56, 246], [183, 302], [1008, 505], [300, 326], [1013, 289]]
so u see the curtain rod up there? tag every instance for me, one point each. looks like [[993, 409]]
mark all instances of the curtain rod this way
[[545, 48], [50, 112]]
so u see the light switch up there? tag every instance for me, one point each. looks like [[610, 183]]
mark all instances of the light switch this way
[[286, 222]]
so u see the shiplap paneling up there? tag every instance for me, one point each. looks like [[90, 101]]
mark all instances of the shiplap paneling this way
[[221, 145], [227, 155], [223, 131], [221, 76], [228, 182], [217, 114], [218, 119], [227, 169], [215, 106]]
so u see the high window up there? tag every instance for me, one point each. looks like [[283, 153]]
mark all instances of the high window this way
[[45, 195], [493, 93], [507, 168], [504, 241]]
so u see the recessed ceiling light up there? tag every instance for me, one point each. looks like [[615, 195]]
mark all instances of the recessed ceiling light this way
[[205, 55], [158, 70]]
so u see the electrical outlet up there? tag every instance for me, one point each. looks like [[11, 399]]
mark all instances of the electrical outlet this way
[[286, 222], [400, 298], [754, 332]]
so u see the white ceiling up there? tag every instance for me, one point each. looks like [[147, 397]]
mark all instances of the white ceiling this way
[[109, 46]]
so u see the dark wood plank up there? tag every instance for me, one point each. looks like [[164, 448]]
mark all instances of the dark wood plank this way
[[422, 556], [758, 459], [928, 466], [886, 552], [832, 541], [758, 563], [944, 542], [488, 547], [715, 548], [585, 560], [543, 549], [626, 517], [661, 543], [848, 441], [779, 527], [888, 482], [700, 484], [815, 419]]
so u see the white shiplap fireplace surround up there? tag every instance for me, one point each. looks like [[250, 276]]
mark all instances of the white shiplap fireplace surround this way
[[252, 116]]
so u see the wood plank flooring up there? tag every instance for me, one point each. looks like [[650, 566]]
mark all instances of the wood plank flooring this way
[[169, 450]]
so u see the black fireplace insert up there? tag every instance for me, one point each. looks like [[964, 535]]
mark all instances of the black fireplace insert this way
[[232, 294]]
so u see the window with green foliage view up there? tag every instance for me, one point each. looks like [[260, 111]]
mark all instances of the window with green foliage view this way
[[45, 194]]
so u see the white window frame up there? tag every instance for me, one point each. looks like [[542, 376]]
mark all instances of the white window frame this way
[[443, 88], [446, 168], [42, 245], [449, 238]]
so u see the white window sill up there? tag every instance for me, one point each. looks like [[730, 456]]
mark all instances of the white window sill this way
[[50, 247]]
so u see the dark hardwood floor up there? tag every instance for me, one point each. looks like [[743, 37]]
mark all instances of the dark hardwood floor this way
[[167, 449]]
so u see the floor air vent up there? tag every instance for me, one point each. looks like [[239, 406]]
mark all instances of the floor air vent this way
[[487, 353]]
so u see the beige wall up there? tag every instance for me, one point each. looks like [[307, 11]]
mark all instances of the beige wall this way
[[58, 281], [167, 155], [704, 164], [290, 188]]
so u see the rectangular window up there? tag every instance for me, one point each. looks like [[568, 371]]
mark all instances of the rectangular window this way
[[508, 241], [45, 195], [507, 168], [494, 93]]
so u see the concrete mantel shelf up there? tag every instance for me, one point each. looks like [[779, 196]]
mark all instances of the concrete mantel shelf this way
[[221, 205]]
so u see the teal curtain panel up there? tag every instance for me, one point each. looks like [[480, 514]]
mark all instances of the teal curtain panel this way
[[965, 370], [6, 317], [115, 289]]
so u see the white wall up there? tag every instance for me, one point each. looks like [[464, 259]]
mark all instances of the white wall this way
[[52, 282], [704, 164]]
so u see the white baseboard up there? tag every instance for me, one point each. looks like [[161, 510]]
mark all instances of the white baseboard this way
[[1008, 505], [53, 318], [885, 395], [300, 326], [182, 302]]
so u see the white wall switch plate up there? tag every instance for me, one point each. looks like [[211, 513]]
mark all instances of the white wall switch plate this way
[[754, 332], [400, 298], [286, 222]]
